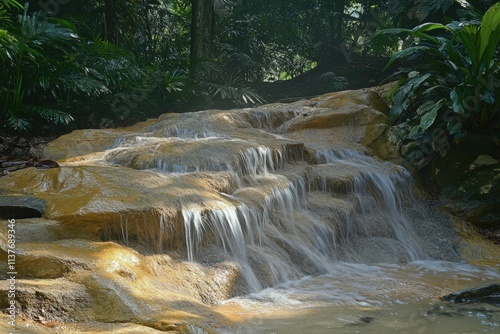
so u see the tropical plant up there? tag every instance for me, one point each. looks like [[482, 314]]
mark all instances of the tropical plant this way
[[29, 69], [213, 85], [335, 82], [448, 83], [422, 9], [10, 3], [53, 76]]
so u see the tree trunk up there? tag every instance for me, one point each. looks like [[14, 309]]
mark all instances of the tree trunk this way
[[334, 52], [111, 22], [202, 31]]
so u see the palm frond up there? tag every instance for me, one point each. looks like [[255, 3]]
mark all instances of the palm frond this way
[[9, 46], [17, 123], [54, 116], [11, 4], [335, 82], [84, 85], [35, 31], [107, 50], [233, 90]]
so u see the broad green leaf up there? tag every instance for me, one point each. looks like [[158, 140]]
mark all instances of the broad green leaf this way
[[490, 32], [418, 80], [469, 36], [431, 89], [487, 97], [454, 127], [458, 102], [391, 92], [396, 110], [392, 31], [428, 119], [466, 72], [414, 131], [425, 37], [406, 53], [429, 26], [453, 53], [425, 107]]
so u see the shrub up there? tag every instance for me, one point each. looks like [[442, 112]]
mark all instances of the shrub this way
[[448, 83]]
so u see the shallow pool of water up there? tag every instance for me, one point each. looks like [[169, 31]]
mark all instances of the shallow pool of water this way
[[360, 298]]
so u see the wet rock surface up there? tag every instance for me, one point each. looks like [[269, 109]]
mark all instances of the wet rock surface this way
[[152, 224], [484, 294]]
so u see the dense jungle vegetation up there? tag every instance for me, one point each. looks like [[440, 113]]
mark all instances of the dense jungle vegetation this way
[[69, 64]]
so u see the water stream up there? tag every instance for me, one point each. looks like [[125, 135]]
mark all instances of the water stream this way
[[326, 238], [362, 298]]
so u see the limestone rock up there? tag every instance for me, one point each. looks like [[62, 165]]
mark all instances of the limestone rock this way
[[80, 143], [387, 146], [152, 224], [49, 300], [368, 97], [351, 125]]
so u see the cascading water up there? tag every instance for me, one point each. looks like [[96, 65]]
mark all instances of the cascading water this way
[[282, 221], [268, 219], [329, 230]]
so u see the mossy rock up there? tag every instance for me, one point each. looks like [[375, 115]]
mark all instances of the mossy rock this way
[[470, 177]]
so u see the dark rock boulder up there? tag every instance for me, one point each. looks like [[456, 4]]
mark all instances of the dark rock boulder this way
[[470, 177], [484, 294]]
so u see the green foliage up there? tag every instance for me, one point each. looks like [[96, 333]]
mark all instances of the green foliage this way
[[112, 86], [96, 66], [53, 77], [421, 9], [213, 85], [448, 83], [336, 82], [232, 90], [10, 4], [24, 51]]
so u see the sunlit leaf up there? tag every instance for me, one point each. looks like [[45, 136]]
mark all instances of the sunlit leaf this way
[[428, 119], [490, 30]]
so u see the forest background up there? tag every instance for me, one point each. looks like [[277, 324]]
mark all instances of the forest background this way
[[68, 64]]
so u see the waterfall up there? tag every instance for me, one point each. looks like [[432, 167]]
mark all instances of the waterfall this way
[[270, 218], [287, 216]]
